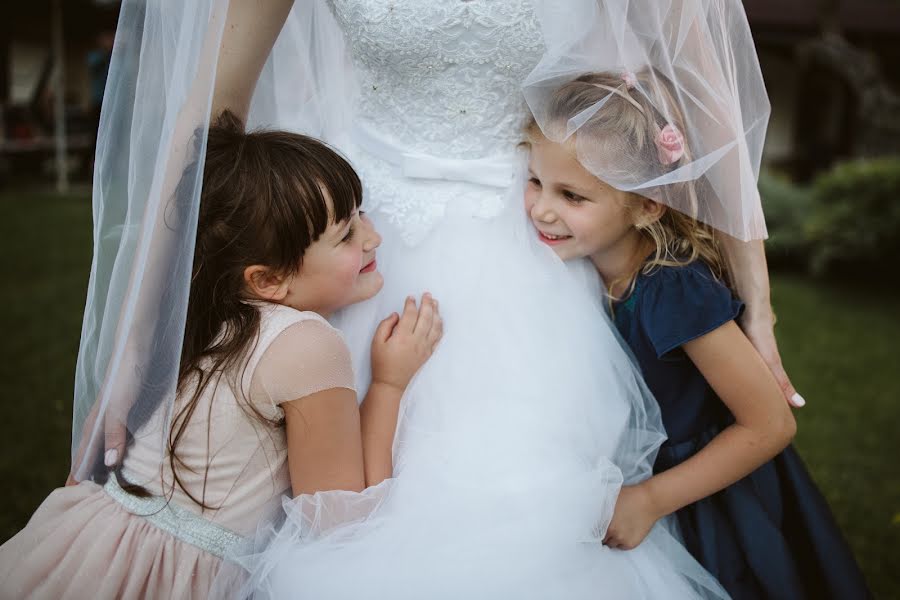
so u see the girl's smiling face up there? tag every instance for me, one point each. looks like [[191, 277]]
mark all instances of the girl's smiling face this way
[[575, 213], [338, 269]]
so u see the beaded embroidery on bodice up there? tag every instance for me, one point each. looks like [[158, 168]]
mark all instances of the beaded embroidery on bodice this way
[[443, 76]]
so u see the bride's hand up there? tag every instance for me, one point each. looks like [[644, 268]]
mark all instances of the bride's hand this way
[[114, 438], [759, 327], [404, 342], [747, 263], [632, 519]]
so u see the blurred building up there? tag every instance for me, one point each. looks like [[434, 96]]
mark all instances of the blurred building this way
[[51, 58], [831, 69]]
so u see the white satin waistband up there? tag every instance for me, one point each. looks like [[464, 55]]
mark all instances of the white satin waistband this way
[[493, 171]]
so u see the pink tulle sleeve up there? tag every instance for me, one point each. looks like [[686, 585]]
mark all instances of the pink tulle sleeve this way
[[306, 358]]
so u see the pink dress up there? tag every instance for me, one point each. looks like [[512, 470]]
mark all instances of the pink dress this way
[[92, 541]]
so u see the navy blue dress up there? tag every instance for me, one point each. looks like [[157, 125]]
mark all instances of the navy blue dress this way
[[771, 534]]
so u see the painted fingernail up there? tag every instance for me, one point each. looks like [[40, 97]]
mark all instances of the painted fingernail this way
[[111, 457], [797, 400]]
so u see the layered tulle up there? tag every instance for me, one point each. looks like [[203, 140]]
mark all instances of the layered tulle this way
[[512, 445]]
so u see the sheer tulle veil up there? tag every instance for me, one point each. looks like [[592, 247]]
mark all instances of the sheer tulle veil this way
[[695, 63], [158, 95], [157, 109], [146, 192]]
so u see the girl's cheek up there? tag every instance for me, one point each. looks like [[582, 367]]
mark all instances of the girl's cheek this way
[[529, 197], [351, 263]]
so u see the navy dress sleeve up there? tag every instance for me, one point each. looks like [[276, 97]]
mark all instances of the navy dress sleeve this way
[[680, 304]]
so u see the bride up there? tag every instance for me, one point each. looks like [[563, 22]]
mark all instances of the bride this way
[[513, 441]]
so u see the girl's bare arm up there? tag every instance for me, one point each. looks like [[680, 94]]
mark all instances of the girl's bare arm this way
[[324, 443], [763, 425], [401, 345]]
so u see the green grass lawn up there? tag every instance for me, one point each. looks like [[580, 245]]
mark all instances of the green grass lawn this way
[[837, 344]]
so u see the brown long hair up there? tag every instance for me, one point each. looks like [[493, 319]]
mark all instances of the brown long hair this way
[[266, 197], [630, 120]]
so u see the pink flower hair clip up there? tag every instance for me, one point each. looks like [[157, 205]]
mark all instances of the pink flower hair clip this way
[[630, 80], [669, 145]]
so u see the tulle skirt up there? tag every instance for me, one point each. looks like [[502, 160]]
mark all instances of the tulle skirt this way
[[80, 543], [512, 443]]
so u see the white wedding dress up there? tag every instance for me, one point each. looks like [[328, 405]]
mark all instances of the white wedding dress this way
[[515, 438]]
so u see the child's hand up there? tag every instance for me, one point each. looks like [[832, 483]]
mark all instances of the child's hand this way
[[633, 518], [404, 342]]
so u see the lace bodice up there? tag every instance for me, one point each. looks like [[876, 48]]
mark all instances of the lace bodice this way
[[442, 79]]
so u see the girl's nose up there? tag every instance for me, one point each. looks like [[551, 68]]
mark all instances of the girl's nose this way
[[542, 211], [372, 239]]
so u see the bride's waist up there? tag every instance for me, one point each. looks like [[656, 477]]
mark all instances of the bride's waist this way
[[490, 169]]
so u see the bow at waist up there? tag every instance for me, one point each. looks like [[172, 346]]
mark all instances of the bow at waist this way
[[493, 171]]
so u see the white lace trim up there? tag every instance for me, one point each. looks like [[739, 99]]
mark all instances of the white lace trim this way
[[443, 79]]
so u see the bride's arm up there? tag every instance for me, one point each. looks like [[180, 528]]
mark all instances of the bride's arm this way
[[251, 28], [249, 33], [750, 276]]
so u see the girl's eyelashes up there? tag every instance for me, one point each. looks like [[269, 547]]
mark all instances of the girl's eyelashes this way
[[573, 197], [568, 195], [352, 229]]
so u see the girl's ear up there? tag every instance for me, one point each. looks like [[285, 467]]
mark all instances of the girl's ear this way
[[650, 212], [265, 284]]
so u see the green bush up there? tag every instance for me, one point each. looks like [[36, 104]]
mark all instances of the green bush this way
[[787, 207], [855, 221]]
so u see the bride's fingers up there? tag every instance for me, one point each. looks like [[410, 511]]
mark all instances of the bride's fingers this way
[[114, 435]]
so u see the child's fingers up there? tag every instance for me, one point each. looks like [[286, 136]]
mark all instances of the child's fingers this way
[[437, 330], [386, 327], [426, 316], [409, 317]]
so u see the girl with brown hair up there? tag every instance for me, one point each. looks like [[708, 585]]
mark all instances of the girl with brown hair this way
[[266, 399]]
